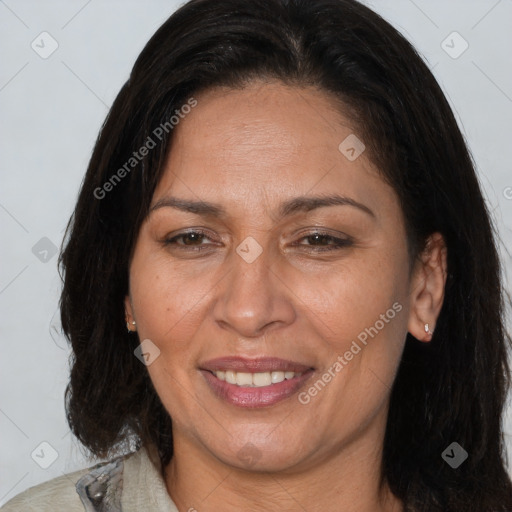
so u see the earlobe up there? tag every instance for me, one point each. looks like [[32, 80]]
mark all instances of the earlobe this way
[[428, 333], [427, 288], [130, 321]]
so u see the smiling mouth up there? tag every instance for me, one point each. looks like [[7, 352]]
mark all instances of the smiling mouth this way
[[255, 390], [255, 380]]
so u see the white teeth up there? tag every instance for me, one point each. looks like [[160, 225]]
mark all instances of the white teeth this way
[[243, 379], [262, 379], [257, 380], [230, 377], [277, 377]]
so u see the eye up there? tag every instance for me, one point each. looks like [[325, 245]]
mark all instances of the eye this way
[[317, 241], [191, 240], [321, 242]]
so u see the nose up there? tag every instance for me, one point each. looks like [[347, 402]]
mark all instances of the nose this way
[[253, 298]]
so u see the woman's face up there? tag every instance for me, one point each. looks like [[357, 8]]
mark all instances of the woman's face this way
[[303, 307]]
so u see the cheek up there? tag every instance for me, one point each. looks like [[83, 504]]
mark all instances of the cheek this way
[[168, 308], [360, 315], [350, 297], [167, 303]]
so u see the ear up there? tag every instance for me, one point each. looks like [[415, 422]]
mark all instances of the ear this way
[[128, 308], [426, 290]]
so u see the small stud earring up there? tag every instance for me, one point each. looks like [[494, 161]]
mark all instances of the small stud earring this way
[[128, 326], [428, 331]]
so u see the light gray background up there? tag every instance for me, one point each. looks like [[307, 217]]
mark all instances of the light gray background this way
[[51, 112]]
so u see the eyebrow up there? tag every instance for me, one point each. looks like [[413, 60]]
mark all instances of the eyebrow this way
[[287, 208]]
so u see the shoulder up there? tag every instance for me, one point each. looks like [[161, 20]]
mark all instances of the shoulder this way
[[130, 482], [64, 492], [56, 494]]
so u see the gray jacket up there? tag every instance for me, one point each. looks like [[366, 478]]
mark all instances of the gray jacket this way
[[131, 483]]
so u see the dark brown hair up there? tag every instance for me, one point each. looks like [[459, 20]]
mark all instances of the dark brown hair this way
[[452, 389]]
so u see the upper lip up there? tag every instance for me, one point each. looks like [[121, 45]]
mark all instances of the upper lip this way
[[253, 365]]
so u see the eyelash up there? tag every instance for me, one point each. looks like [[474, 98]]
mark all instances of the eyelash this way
[[339, 243]]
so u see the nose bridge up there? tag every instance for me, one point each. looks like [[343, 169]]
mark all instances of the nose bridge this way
[[252, 296]]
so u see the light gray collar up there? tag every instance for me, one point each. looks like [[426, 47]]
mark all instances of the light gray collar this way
[[129, 483], [100, 490]]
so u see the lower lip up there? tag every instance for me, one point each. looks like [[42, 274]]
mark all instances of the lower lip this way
[[255, 397]]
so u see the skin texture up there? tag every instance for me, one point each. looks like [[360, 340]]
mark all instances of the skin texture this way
[[249, 150]]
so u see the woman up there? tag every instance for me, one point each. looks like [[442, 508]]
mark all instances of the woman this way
[[281, 283]]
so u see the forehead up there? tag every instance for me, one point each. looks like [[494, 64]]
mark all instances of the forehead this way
[[263, 118], [266, 142]]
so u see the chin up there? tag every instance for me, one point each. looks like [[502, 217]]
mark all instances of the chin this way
[[258, 458]]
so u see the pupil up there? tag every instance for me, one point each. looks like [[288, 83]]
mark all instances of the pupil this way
[[194, 237], [317, 238]]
